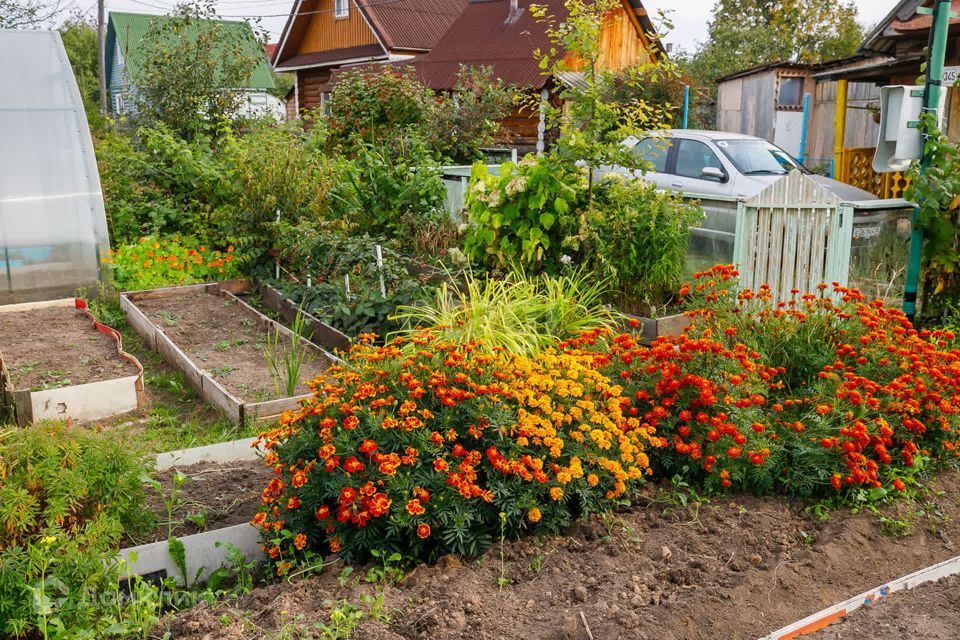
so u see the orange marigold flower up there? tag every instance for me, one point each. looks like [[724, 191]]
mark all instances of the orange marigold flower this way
[[899, 485], [300, 541], [423, 531], [368, 447], [258, 519], [556, 493], [334, 544], [414, 508], [534, 515]]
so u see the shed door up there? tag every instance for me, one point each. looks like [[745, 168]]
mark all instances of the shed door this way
[[787, 129]]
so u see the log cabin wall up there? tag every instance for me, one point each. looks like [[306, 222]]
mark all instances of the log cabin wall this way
[[325, 32]]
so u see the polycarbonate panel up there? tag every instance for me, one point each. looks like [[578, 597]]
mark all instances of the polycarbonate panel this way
[[878, 253], [53, 228]]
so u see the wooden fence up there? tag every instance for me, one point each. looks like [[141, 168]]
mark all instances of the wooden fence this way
[[856, 169], [793, 235]]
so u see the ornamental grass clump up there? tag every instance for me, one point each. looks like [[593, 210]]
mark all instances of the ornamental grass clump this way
[[825, 394], [420, 445]]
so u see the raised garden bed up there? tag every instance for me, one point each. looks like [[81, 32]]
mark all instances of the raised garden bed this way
[[215, 496], [57, 363], [206, 496], [652, 328], [218, 342], [320, 333]]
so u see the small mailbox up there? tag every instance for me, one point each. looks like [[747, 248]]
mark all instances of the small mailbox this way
[[900, 141]]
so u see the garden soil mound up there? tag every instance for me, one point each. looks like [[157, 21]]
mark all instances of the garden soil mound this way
[[226, 340], [57, 347], [730, 568], [931, 611]]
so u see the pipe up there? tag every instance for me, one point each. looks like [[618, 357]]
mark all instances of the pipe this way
[[803, 127]]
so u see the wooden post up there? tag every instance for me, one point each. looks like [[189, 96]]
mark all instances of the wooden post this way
[[102, 58], [839, 131]]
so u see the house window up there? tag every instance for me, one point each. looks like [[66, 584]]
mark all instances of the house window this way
[[341, 8], [325, 109], [790, 94]]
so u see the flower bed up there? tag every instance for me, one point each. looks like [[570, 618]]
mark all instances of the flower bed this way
[[433, 448]]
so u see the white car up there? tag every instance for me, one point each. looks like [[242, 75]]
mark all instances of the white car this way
[[721, 164]]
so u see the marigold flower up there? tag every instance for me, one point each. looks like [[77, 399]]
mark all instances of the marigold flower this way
[[556, 493], [414, 508], [534, 515], [423, 531], [300, 541]]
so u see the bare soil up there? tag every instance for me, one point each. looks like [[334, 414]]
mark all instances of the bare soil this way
[[731, 568], [57, 347], [227, 340], [220, 494], [931, 611]]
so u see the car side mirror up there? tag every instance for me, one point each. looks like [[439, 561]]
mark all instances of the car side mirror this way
[[713, 173]]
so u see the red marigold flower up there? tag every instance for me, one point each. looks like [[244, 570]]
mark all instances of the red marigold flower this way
[[300, 541], [334, 544], [258, 519], [323, 512], [423, 531], [368, 446], [633, 323], [899, 485], [351, 422], [293, 503]]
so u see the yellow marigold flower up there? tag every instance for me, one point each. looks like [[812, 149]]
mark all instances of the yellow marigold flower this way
[[592, 479], [556, 493]]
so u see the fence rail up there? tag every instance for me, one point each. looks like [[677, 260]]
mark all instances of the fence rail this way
[[856, 169]]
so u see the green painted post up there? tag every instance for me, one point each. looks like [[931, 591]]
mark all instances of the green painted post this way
[[936, 55]]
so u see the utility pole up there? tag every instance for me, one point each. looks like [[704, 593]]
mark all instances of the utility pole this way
[[936, 55], [102, 56]]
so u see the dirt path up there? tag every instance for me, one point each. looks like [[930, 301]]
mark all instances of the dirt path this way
[[730, 568], [57, 347]]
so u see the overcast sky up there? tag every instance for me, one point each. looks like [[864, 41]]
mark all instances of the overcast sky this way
[[689, 16]]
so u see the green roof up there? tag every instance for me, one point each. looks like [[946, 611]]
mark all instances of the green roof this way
[[131, 28]]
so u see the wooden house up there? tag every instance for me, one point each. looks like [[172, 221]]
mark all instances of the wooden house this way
[[323, 35]]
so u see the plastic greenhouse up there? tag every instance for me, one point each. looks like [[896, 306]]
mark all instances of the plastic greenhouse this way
[[53, 228]]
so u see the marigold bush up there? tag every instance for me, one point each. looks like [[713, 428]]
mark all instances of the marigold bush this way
[[820, 395], [159, 262], [429, 447]]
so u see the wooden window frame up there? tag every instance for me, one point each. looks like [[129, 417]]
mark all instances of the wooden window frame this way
[[341, 13]]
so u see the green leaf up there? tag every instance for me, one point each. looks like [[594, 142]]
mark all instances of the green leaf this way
[[547, 219]]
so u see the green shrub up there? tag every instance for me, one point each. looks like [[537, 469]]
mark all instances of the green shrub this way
[[376, 104], [67, 496], [394, 191], [520, 314], [637, 237], [427, 447], [527, 215]]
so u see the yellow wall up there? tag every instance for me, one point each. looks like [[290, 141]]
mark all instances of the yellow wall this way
[[326, 33]]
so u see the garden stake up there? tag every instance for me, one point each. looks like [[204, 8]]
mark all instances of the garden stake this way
[[346, 281], [383, 287]]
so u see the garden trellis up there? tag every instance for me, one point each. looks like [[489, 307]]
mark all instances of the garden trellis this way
[[797, 233], [53, 229]]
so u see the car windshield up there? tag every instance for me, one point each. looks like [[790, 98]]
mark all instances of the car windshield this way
[[757, 157]]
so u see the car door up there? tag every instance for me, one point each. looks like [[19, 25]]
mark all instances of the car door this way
[[697, 168], [656, 152]]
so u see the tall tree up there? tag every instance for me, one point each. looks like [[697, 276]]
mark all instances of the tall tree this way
[[191, 66], [27, 14], [747, 33]]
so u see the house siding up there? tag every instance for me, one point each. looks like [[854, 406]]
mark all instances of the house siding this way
[[328, 33]]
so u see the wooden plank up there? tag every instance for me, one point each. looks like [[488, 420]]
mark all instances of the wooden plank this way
[[215, 393], [320, 333], [273, 408], [175, 357], [139, 321], [45, 304], [86, 402]]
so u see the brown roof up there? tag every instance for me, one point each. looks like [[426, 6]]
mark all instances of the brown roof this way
[[411, 24], [402, 25], [484, 36], [326, 57]]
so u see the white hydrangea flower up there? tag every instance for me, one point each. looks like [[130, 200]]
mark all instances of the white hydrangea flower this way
[[517, 185], [565, 259]]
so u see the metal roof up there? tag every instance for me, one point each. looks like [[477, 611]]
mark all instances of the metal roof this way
[[130, 28], [414, 25]]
